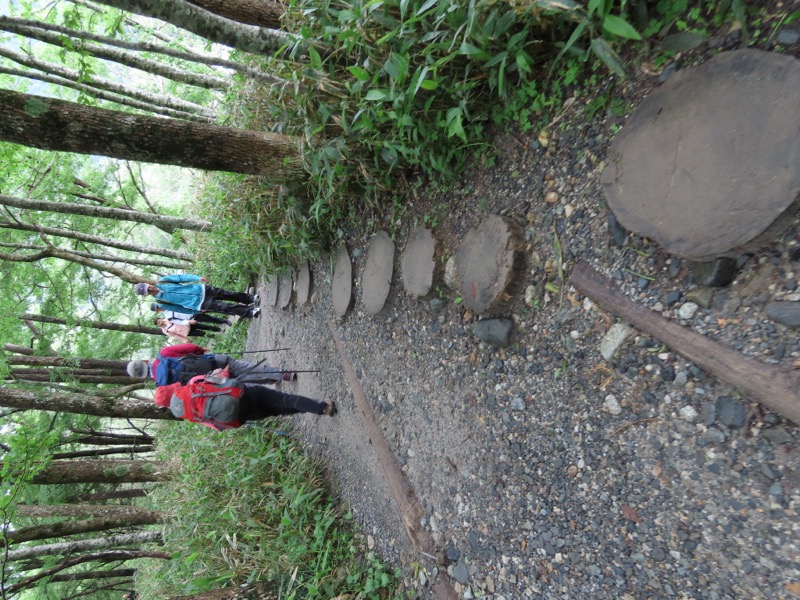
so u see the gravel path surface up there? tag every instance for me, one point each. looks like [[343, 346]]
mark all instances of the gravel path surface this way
[[545, 470]]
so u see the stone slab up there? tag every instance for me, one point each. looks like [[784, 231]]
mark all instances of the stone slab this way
[[342, 285], [485, 261], [377, 278], [285, 289], [710, 159], [417, 263], [271, 297], [303, 284]]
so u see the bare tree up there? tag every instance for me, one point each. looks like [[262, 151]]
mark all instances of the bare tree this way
[[66, 548], [263, 13], [93, 324], [81, 404]]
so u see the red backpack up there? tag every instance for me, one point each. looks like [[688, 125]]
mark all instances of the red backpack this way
[[212, 400]]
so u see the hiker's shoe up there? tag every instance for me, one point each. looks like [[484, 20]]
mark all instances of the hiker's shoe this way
[[330, 409], [289, 376], [255, 312], [251, 291], [256, 299]]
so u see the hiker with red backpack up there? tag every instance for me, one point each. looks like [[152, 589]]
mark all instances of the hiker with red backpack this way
[[219, 401], [181, 362]]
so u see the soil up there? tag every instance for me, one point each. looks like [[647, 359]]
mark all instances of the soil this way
[[544, 470]]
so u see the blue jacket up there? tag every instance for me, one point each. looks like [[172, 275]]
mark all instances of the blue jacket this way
[[181, 291]]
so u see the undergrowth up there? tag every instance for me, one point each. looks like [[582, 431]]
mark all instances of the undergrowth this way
[[249, 505]]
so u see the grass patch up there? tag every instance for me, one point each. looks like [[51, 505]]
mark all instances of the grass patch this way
[[249, 505]]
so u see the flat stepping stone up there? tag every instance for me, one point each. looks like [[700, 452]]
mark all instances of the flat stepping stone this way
[[711, 158], [485, 261], [377, 277], [271, 297], [303, 284], [285, 289], [342, 286], [417, 262]]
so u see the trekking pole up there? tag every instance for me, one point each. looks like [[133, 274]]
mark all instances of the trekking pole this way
[[304, 371], [257, 351]]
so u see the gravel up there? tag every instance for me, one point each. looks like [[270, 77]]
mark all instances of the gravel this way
[[545, 470]]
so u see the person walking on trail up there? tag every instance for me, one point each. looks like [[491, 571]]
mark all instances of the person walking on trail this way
[[220, 402], [183, 330], [184, 317], [181, 362], [189, 293]]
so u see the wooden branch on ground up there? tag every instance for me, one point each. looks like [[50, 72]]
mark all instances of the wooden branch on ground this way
[[773, 387]]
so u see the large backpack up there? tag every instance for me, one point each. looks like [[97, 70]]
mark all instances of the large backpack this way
[[209, 399], [181, 370]]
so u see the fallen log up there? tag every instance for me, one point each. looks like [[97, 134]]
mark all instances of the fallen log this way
[[773, 387]]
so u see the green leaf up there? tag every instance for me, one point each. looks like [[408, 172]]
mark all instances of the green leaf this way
[[620, 27], [679, 42], [568, 5], [359, 73], [424, 8], [610, 58], [429, 84], [454, 124], [316, 59], [593, 6], [473, 51], [379, 95]]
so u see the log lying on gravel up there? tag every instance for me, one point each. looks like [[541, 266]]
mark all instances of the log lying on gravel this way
[[773, 387]]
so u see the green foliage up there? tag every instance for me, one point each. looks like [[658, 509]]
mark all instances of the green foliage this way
[[249, 505]]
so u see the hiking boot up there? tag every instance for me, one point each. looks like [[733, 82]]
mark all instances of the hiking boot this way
[[330, 409], [255, 312], [251, 291], [256, 299], [289, 376]]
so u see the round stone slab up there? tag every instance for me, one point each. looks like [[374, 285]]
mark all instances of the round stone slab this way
[[342, 286], [272, 291], [285, 290], [711, 158], [377, 277], [485, 262], [417, 263], [303, 284]]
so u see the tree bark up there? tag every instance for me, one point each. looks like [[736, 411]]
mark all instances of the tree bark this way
[[118, 555], [258, 40], [256, 591], [108, 438], [101, 241], [103, 452], [67, 528], [119, 56], [61, 75], [164, 222], [138, 261], [86, 575], [93, 324], [66, 548], [82, 404], [63, 376], [57, 125], [61, 361], [262, 13], [102, 471], [54, 511], [118, 494], [187, 55]]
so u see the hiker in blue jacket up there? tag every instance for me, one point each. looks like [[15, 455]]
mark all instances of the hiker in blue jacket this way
[[189, 293]]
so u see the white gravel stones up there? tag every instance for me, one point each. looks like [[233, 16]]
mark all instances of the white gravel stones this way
[[613, 340], [451, 273], [687, 310], [688, 413], [611, 404]]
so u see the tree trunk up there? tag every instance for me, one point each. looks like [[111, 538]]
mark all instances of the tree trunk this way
[[52, 124], [257, 40], [65, 548], [53, 252], [103, 452], [82, 404], [67, 528], [116, 555], [60, 75], [187, 55], [263, 13], [87, 575], [61, 361], [93, 324], [164, 222], [101, 241], [101, 471], [61, 377], [44, 252], [109, 438], [256, 591], [55, 511], [119, 56], [118, 494]]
